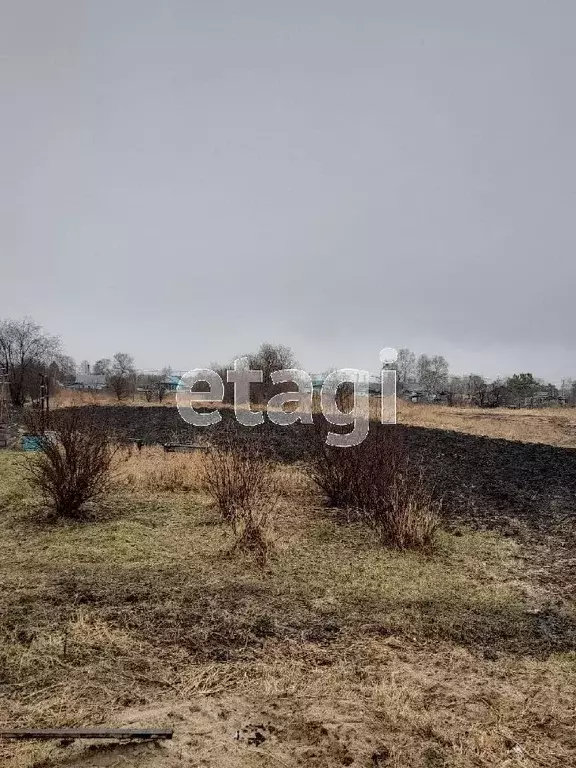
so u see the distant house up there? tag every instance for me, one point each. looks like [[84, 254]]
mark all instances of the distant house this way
[[89, 381], [416, 393], [171, 383], [317, 381], [374, 383], [545, 397]]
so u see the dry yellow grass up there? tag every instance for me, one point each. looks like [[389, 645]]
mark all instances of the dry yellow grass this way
[[553, 426], [152, 469], [338, 653], [67, 398]]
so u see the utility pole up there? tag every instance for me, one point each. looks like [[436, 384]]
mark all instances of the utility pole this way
[[44, 401], [4, 408]]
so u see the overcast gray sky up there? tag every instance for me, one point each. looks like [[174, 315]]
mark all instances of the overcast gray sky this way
[[183, 180]]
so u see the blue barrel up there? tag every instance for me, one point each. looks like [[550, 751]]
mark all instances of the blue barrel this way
[[31, 442]]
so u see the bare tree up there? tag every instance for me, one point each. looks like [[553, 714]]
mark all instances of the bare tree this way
[[522, 387], [153, 385], [123, 363], [102, 367], [432, 372], [405, 367], [270, 358], [148, 385], [477, 390], [456, 389], [25, 350], [497, 394], [568, 390], [122, 376], [62, 370], [161, 389], [162, 386]]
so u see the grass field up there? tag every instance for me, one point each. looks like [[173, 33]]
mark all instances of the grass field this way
[[553, 426], [338, 652]]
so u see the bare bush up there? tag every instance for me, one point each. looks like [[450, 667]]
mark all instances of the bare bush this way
[[409, 516], [243, 484], [74, 463], [377, 483], [332, 470]]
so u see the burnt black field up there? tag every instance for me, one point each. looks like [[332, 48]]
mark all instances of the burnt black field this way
[[482, 480]]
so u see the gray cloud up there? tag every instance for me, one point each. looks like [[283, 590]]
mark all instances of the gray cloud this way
[[185, 180]]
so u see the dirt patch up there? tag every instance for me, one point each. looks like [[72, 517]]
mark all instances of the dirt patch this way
[[232, 731], [398, 707]]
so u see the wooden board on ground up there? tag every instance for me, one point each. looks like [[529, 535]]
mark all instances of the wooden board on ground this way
[[183, 448], [86, 733]]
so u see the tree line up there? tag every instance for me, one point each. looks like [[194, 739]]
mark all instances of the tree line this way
[[430, 376], [27, 354]]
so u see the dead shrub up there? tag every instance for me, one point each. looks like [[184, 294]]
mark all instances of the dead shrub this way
[[73, 465], [243, 484], [409, 516], [377, 482]]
